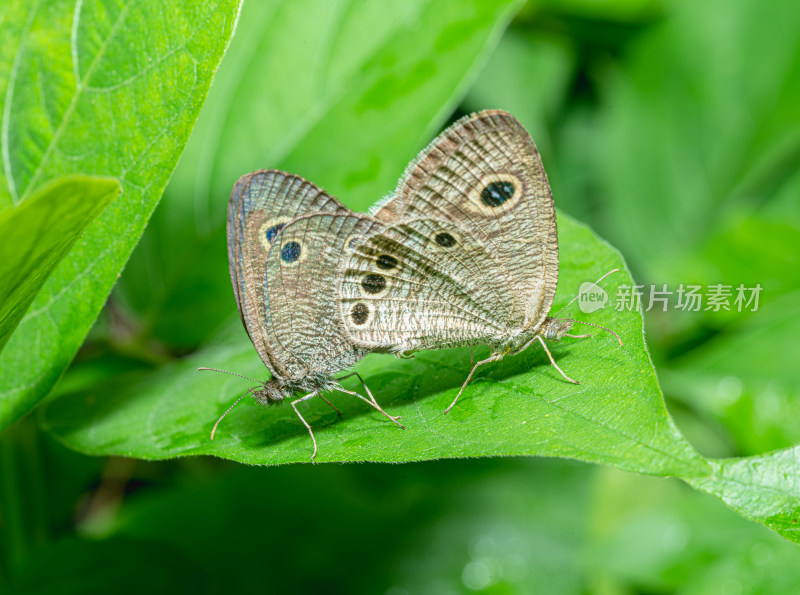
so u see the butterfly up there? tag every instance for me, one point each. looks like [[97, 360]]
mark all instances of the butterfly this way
[[285, 240], [474, 240], [464, 252]]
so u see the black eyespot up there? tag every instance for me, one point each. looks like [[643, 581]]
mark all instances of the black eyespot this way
[[290, 251], [386, 262], [359, 313], [497, 193], [373, 283], [273, 231], [445, 240]]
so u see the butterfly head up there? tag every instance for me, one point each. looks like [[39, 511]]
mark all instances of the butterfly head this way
[[272, 392], [554, 329], [277, 389]]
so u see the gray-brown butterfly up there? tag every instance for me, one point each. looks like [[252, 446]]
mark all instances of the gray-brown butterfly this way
[[465, 252], [470, 254], [285, 239]]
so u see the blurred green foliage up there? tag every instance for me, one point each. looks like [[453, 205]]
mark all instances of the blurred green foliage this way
[[671, 128]]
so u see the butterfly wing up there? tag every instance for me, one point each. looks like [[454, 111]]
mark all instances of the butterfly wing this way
[[261, 203], [303, 328], [422, 284], [483, 174]]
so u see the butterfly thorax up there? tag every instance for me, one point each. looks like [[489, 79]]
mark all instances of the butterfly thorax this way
[[275, 390]]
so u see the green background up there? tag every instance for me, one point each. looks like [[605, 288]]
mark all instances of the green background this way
[[671, 129]]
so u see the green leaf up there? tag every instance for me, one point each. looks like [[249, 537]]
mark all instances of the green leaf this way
[[519, 406], [37, 234], [764, 488], [102, 88], [370, 84]]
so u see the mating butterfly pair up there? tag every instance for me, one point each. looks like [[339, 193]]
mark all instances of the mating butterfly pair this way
[[464, 252]]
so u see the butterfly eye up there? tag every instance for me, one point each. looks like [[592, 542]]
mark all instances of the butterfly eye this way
[[445, 240], [386, 262], [359, 313], [496, 193], [291, 252]]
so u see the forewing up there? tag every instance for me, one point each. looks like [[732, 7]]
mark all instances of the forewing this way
[[484, 175], [260, 204]]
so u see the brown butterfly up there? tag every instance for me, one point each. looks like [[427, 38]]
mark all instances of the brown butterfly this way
[[465, 252], [285, 239]]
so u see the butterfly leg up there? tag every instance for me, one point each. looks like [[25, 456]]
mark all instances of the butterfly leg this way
[[491, 358], [360, 379], [331, 404], [552, 361], [372, 403], [305, 423], [371, 398], [579, 336]]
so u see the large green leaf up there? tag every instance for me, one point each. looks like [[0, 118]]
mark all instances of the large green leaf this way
[[37, 234], [105, 88], [518, 406], [765, 488]]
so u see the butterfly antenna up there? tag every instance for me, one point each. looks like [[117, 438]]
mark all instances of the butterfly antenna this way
[[580, 293], [232, 374], [600, 327], [228, 410]]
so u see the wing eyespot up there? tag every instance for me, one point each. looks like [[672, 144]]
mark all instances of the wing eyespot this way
[[373, 283], [386, 262], [359, 313], [269, 230], [494, 194], [444, 239], [291, 252]]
